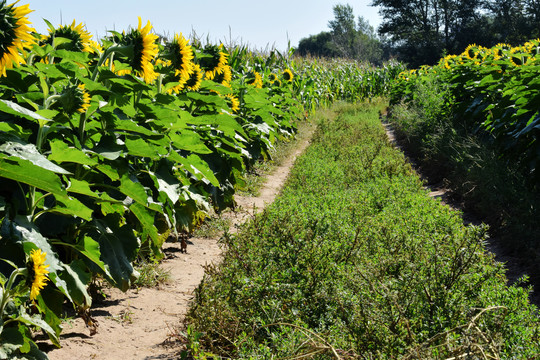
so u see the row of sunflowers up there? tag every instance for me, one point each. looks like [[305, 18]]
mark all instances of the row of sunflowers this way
[[109, 148], [493, 92]]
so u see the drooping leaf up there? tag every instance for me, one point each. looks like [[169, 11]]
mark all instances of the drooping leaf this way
[[25, 172], [17, 148], [15, 109], [77, 277]]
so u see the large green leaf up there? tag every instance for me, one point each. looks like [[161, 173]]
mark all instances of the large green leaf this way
[[130, 126], [189, 141], [36, 320], [146, 218], [61, 152], [168, 185], [89, 248], [199, 168], [17, 148], [76, 276], [139, 147], [71, 206], [132, 188], [118, 247], [16, 109], [25, 172]]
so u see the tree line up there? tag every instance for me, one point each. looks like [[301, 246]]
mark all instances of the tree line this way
[[422, 31]]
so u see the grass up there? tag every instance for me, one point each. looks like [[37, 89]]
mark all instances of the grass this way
[[500, 190], [354, 260], [255, 177], [151, 274]]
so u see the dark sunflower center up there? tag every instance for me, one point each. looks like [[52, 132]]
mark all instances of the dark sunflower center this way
[[177, 58], [193, 79], [135, 39], [8, 24], [211, 58]]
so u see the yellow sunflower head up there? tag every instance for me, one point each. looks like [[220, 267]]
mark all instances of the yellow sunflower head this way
[[272, 77], [180, 55], [74, 99], [233, 102], [176, 78], [145, 50], [213, 61], [81, 40], [519, 56], [225, 77], [471, 52], [255, 79], [287, 75], [37, 272], [15, 35], [195, 79]]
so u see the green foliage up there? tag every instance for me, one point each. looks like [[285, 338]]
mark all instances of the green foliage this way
[[346, 39], [473, 118], [421, 31], [354, 260], [107, 149]]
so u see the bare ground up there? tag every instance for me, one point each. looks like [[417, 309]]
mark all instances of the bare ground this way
[[142, 323]]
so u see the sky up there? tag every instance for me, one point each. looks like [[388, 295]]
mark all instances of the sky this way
[[259, 24]]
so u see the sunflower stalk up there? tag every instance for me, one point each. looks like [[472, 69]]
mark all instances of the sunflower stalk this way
[[109, 54], [6, 291]]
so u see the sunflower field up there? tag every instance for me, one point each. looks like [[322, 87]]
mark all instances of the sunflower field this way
[[108, 148], [493, 92]]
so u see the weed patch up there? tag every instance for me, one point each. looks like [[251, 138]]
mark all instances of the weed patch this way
[[354, 260]]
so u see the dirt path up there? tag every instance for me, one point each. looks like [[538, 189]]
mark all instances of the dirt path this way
[[138, 324]]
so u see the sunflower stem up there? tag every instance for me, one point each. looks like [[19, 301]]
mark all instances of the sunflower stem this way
[[50, 100], [102, 59], [159, 83], [6, 293]]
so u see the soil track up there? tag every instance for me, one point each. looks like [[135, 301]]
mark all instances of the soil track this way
[[142, 323]]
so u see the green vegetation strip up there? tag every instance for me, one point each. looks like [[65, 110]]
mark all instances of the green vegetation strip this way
[[354, 260]]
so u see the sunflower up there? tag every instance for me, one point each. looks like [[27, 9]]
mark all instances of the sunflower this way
[[471, 52], [37, 272], [15, 35], [287, 75], [178, 78], [519, 56], [255, 79], [213, 61], [74, 99], [233, 102], [272, 77], [225, 77], [85, 99], [181, 56], [145, 51], [81, 40], [195, 79]]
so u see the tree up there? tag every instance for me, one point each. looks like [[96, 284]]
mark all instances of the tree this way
[[319, 45], [423, 30], [343, 29], [346, 39]]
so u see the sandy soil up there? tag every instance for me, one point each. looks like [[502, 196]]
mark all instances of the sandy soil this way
[[142, 323]]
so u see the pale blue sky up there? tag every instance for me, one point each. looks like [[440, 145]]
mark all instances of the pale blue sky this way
[[257, 23]]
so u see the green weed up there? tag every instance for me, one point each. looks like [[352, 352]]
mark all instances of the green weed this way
[[354, 260]]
